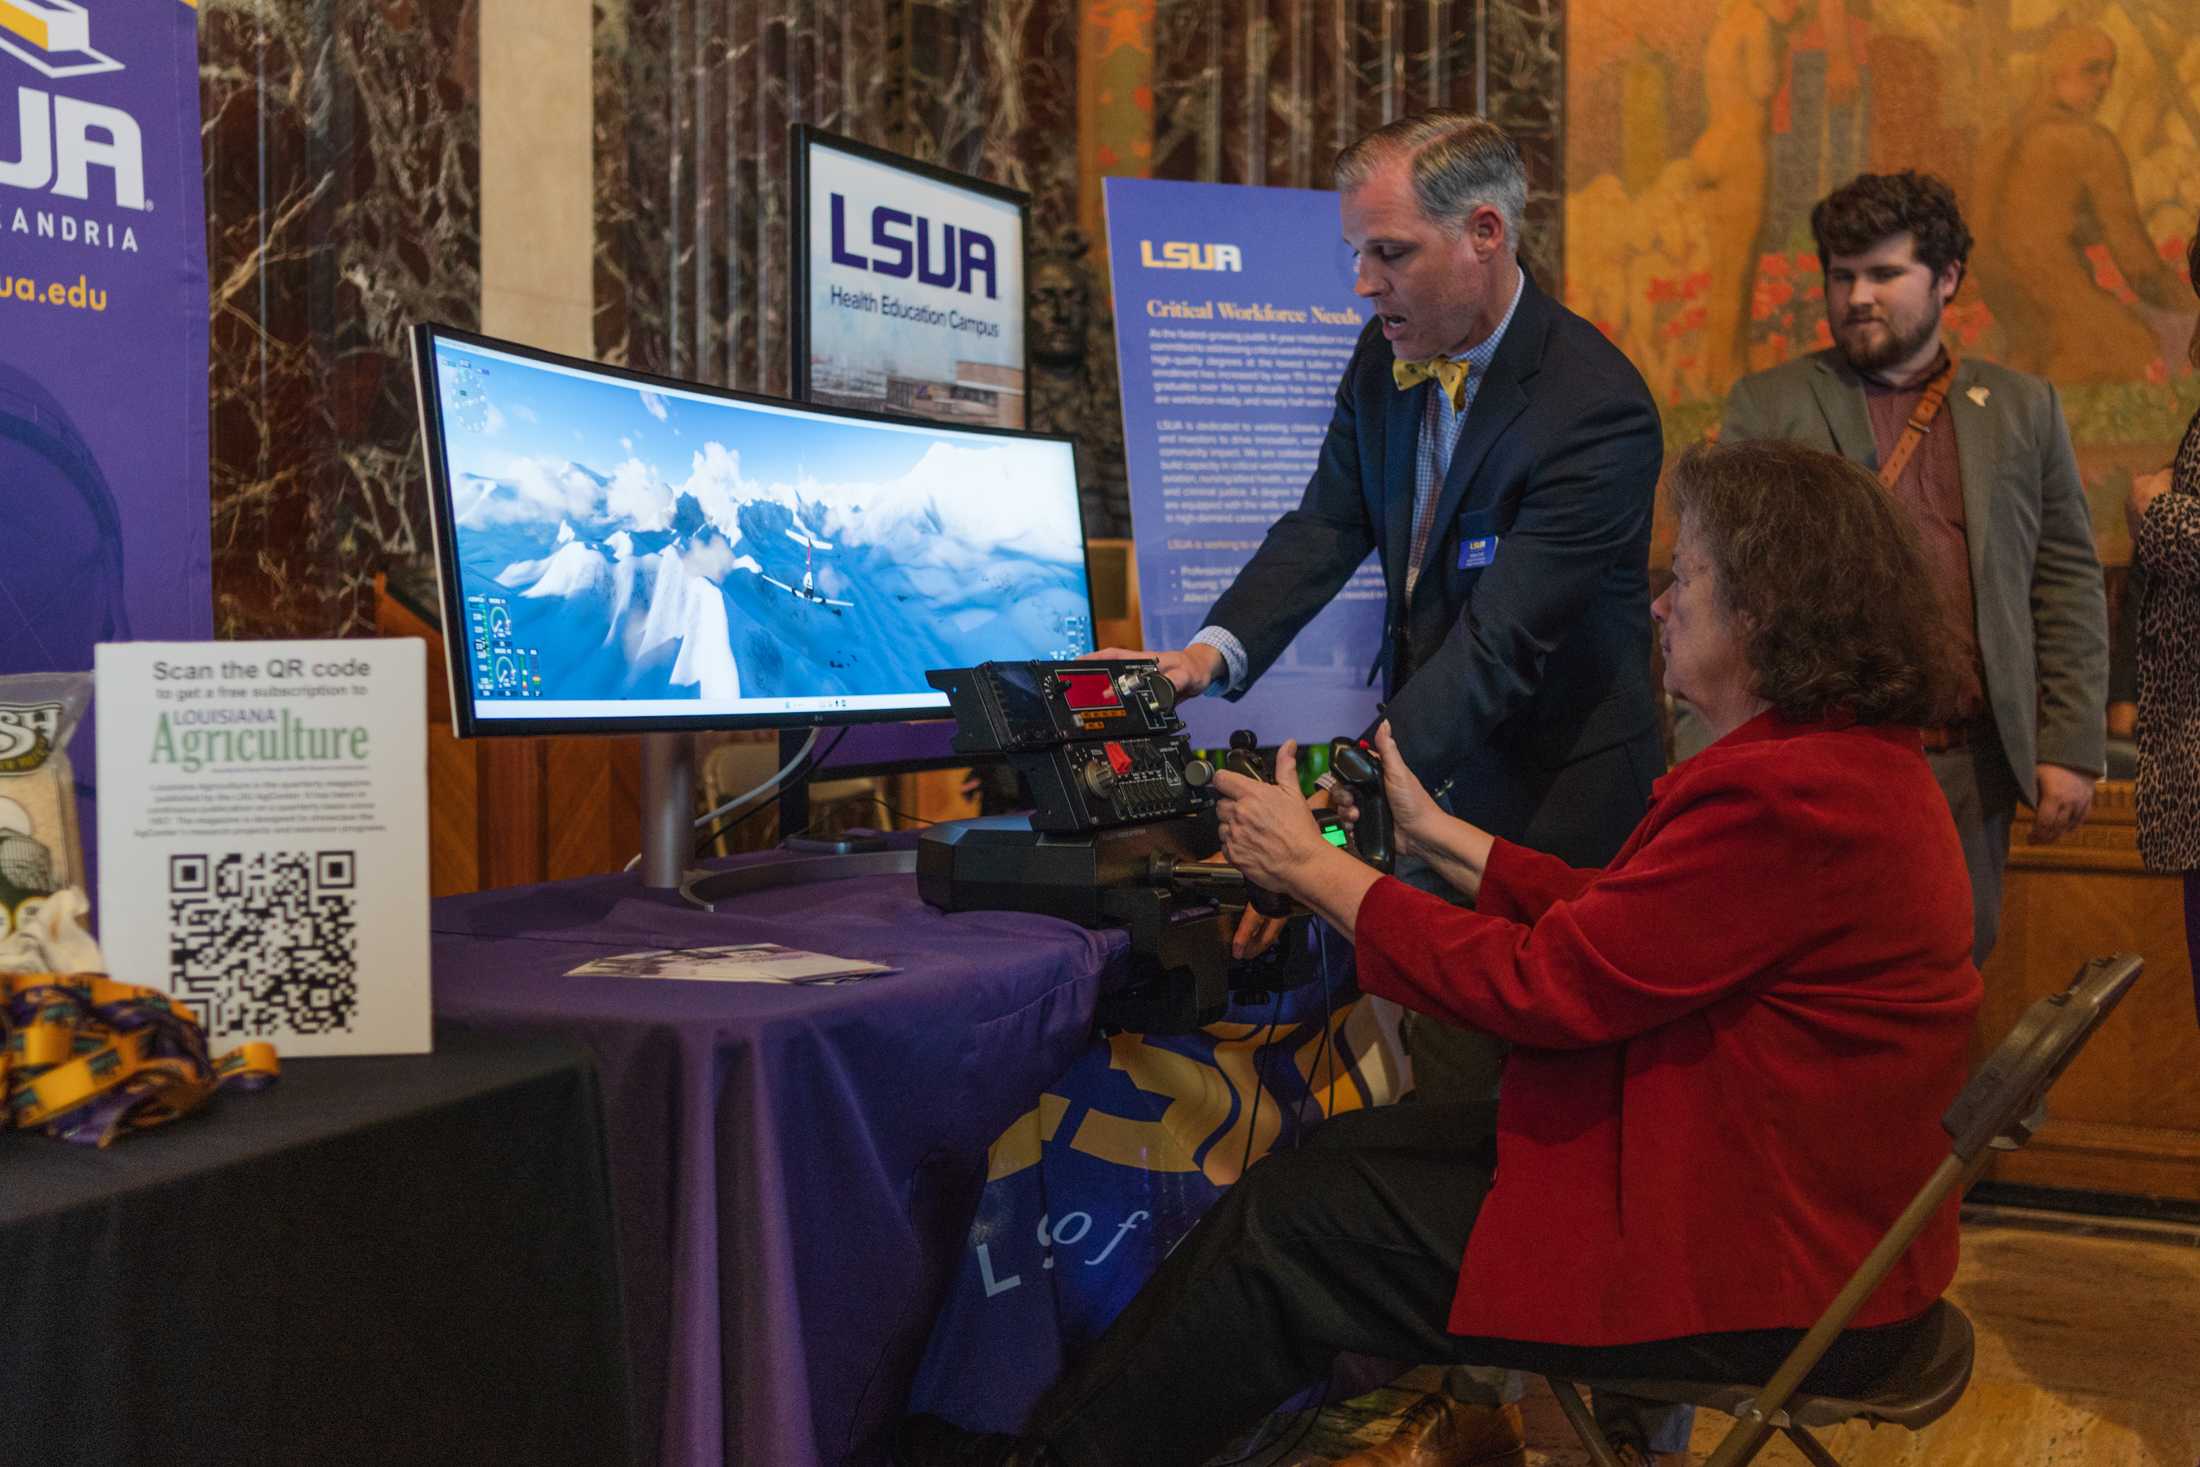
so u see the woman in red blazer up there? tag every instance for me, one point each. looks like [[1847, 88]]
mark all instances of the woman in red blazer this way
[[1732, 1046]]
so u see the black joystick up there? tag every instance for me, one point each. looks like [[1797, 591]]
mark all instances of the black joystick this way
[[1360, 769], [1244, 758]]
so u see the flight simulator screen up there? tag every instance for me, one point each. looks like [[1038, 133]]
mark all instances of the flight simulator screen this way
[[616, 551]]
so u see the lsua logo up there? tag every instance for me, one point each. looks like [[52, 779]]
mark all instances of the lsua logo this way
[[1182, 254], [53, 36], [902, 244], [61, 140]]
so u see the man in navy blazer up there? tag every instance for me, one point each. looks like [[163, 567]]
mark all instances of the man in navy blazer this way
[[1516, 654], [1510, 503]]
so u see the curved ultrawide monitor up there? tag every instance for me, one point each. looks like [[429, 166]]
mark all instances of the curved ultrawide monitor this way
[[621, 553]]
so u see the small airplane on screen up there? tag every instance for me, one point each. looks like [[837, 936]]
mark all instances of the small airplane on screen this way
[[808, 591]]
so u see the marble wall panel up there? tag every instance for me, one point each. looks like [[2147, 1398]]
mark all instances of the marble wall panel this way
[[1268, 91], [694, 98], [342, 173]]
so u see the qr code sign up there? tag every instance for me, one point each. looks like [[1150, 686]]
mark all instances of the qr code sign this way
[[268, 942]]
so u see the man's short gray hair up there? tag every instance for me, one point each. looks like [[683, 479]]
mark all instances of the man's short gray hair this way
[[1460, 163]]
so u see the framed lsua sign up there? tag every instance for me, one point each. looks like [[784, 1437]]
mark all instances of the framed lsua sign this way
[[908, 285]]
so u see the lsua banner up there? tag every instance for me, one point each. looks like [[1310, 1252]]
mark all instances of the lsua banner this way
[[1090, 1189], [1234, 319], [103, 333], [103, 320]]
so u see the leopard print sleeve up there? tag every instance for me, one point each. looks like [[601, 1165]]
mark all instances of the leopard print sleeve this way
[[2168, 544], [2169, 538]]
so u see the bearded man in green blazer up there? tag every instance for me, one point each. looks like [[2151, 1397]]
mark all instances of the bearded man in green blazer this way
[[1980, 456]]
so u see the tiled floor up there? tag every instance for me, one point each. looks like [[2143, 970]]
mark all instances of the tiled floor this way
[[2088, 1352]]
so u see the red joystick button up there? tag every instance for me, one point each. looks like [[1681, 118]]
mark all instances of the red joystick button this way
[[1119, 758]]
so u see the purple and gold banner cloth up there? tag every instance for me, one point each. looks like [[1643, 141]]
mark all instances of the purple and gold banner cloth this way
[[103, 333], [1092, 1187]]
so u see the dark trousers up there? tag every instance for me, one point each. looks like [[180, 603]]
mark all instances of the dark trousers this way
[[1351, 1243], [1982, 797]]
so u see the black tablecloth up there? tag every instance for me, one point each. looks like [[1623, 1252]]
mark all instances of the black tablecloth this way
[[383, 1261]]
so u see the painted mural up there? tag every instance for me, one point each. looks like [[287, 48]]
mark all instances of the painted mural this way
[[1700, 132]]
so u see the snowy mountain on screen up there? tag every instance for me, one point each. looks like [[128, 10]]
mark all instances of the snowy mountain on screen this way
[[720, 587]]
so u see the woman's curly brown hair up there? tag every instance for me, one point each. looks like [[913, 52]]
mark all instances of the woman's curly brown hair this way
[[1824, 571]]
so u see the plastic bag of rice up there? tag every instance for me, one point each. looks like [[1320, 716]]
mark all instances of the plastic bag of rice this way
[[41, 851]]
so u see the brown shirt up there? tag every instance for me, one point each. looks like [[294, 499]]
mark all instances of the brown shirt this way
[[1931, 489]]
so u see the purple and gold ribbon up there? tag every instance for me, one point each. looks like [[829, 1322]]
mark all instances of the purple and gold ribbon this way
[[88, 1059]]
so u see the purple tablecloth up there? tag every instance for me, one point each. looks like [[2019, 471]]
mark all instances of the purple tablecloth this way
[[794, 1168]]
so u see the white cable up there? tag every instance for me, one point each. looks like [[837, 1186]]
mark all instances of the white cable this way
[[766, 787], [746, 796]]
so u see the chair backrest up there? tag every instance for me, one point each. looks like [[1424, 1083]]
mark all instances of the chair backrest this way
[[2006, 1100], [2003, 1102]]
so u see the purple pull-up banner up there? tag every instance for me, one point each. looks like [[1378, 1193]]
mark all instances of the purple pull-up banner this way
[[1234, 319], [103, 326]]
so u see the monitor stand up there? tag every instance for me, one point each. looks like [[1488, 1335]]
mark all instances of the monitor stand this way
[[668, 833]]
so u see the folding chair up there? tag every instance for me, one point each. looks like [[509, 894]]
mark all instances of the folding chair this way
[[1999, 1110]]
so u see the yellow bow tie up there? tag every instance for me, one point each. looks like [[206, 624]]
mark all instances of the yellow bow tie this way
[[1448, 374]]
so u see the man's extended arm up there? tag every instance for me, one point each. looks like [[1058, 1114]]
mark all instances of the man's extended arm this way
[[1311, 551]]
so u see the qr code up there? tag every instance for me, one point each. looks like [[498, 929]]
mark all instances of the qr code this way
[[267, 942]]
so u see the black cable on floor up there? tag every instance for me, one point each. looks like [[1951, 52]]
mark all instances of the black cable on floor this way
[[1327, 1050], [1252, 1123]]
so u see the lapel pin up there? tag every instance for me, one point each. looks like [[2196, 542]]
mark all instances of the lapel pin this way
[[1978, 395]]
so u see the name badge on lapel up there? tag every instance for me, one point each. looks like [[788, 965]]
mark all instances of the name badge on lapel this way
[[1476, 551]]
